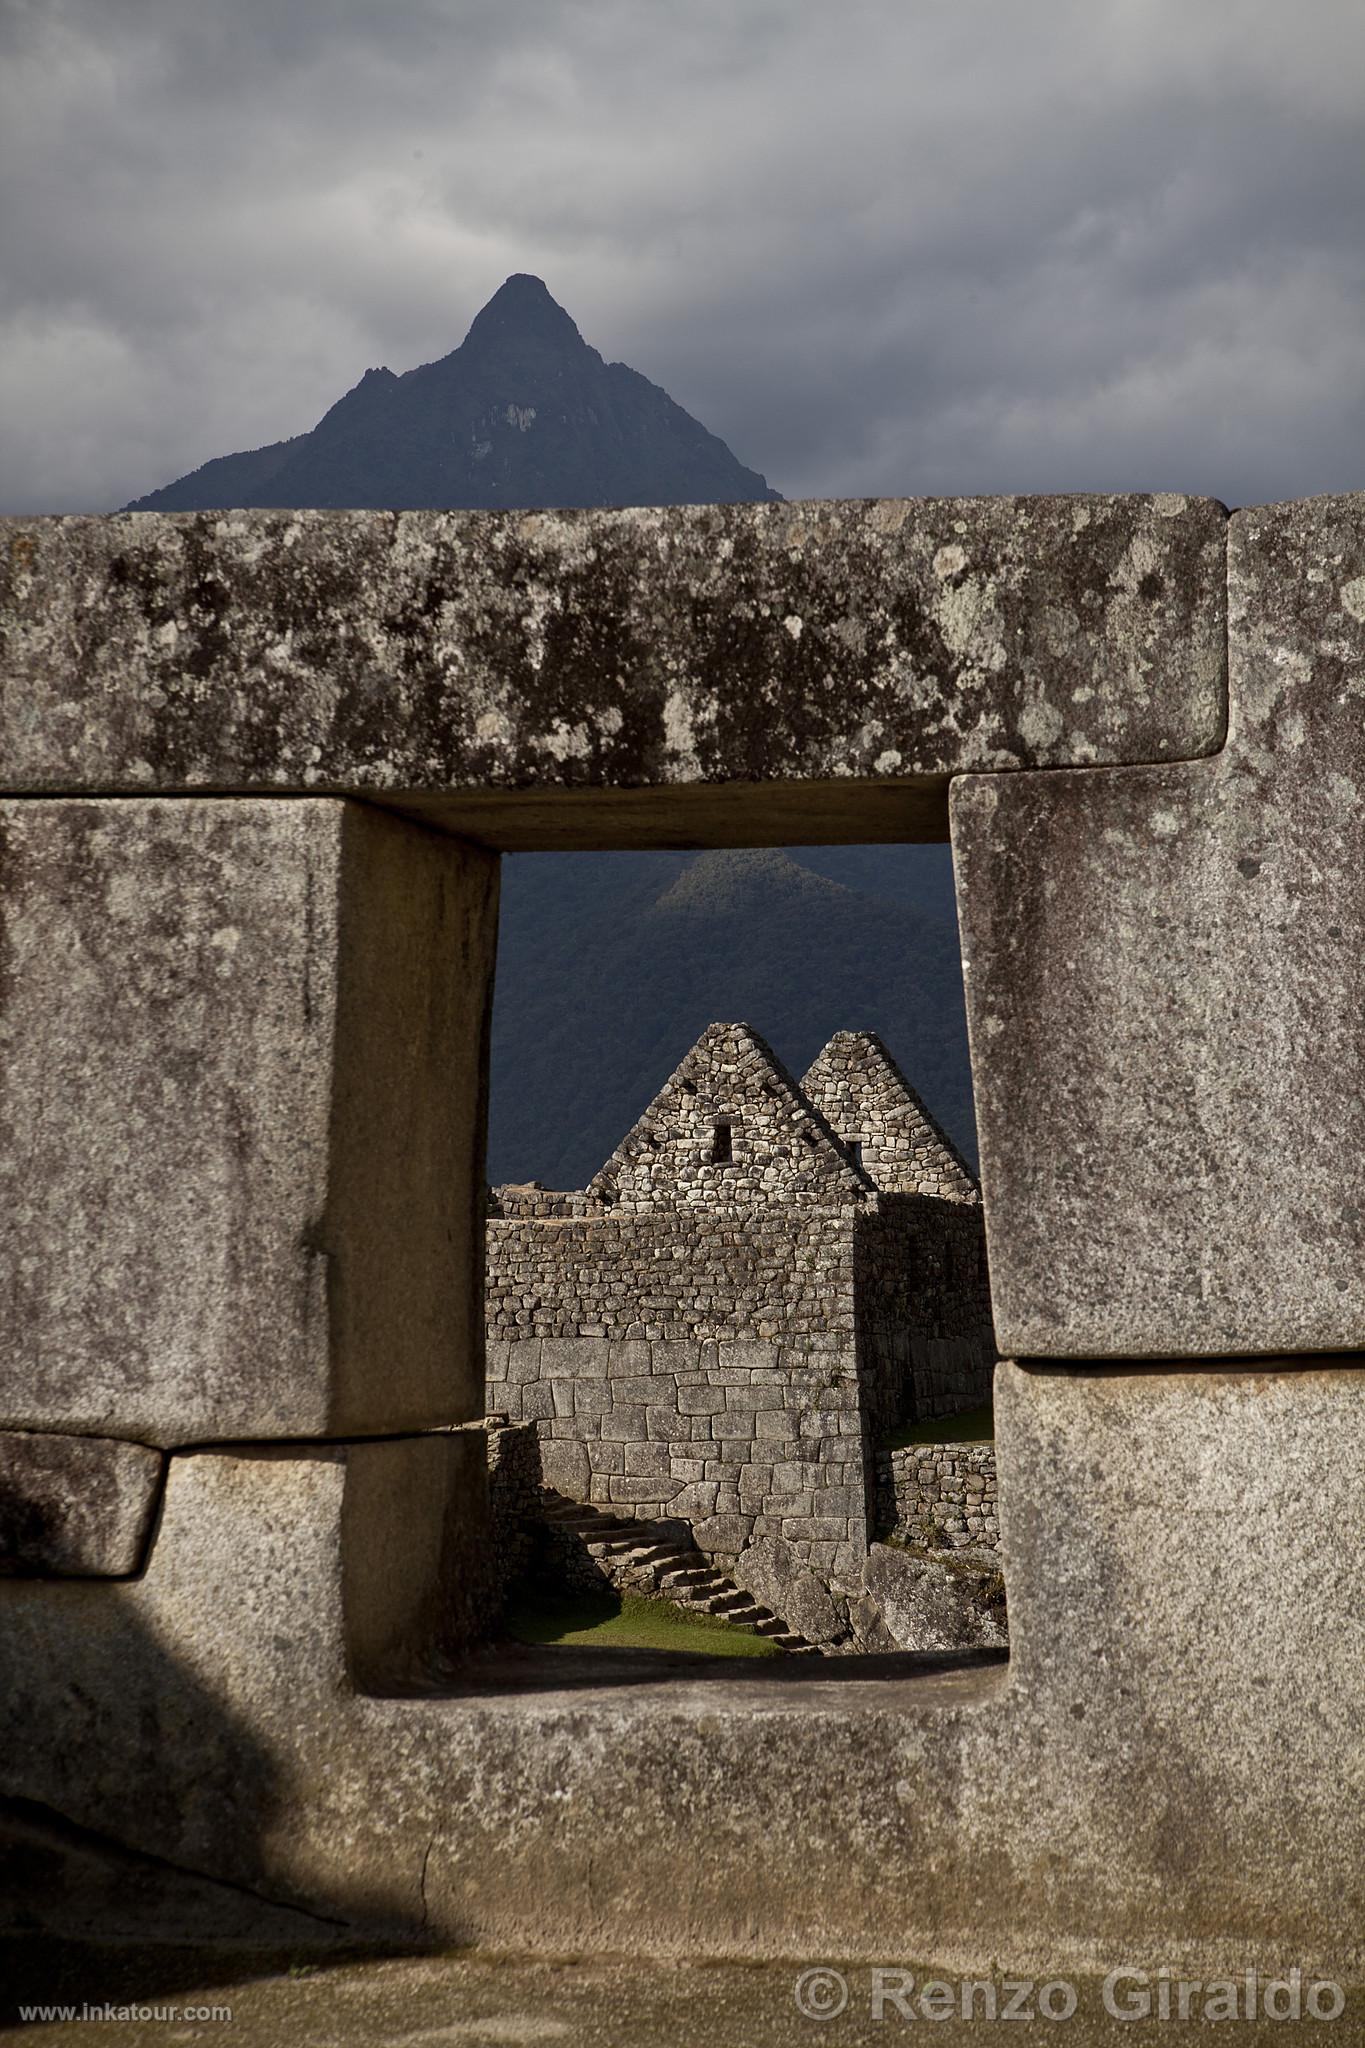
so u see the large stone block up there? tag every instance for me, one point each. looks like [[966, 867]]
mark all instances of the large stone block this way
[[241, 1136], [1165, 973], [919, 1601], [78, 1505], [774, 1572], [1167, 1770], [450, 658], [422, 1579]]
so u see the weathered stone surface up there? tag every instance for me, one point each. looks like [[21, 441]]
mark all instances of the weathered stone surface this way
[[912, 1601], [564, 1464], [421, 1577], [75, 1504], [425, 653], [83, 1887], [241, 1136], [773, 1571], [1168, 1767], [388, 2001], [1165, 973]]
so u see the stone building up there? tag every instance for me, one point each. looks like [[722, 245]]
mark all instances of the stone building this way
[[762, 1281]]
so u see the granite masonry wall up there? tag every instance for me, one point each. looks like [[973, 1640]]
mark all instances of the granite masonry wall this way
[[926, 1345], [939, 1496], [737, 1440], [578, 678], [732, 1370], [670, 1274], [862, 1095]]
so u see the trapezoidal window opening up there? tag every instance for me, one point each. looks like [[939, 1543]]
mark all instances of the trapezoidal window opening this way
[[736, 1305]]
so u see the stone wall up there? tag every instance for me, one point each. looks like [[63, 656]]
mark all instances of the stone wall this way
[[939, 1496], [672, 1274], [530, 1199], [925, 1342], [514, 1478], [867, 1102], [686, 1366], [737, 1440], [577, 678]]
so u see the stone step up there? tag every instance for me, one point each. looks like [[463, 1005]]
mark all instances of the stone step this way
[[698, 1594], [676, 1571]]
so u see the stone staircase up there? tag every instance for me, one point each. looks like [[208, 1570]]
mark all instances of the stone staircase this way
[[639, 1558]]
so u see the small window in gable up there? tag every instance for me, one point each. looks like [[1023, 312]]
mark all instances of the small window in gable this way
[[854, 1149], [722, 1150]]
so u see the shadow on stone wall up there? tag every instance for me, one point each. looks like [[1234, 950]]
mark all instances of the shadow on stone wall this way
[[141, 1814], [507, 1670]]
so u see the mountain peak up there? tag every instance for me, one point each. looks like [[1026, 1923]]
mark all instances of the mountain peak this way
[[523, 413], [726, 881], [521, 310]]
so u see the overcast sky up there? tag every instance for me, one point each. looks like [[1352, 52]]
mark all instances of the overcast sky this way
[[880, 246]]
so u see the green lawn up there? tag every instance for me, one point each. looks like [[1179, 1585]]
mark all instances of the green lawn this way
[[970, 1426], [611, 1621]]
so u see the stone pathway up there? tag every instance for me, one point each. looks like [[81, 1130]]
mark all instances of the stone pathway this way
[[478, 2000]]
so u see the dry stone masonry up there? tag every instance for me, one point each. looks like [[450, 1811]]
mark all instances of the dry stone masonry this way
[[718, 1329], [940, 1495], [257, 768], [729, 1129], [862, 1094]]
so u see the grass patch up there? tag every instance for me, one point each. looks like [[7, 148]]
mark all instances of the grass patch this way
[[624, 1621], [970, 1426]]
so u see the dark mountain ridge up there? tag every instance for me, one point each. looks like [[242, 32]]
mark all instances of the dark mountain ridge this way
[[523, 414]]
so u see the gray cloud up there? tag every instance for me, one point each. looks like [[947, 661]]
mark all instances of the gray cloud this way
[[880, 247]]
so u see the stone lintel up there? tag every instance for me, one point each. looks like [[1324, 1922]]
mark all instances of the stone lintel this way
[[445, 658]]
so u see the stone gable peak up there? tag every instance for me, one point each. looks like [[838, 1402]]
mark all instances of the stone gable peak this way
[[865, 1099], [730, 1128]]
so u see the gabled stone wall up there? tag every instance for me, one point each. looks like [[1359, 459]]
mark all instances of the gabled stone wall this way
[[729, 1128], [865, 1099]]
